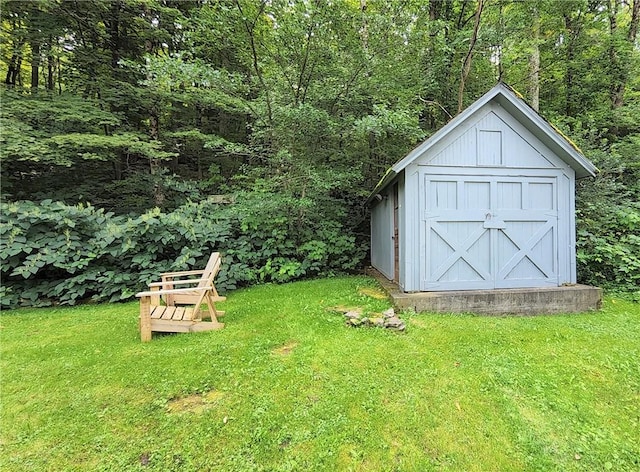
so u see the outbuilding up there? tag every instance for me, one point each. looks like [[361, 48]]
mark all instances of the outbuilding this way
[[486, 203]]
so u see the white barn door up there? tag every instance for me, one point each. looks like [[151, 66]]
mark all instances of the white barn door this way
[[485, 232]]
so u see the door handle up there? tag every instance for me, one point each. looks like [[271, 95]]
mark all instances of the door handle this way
[[492, 221]]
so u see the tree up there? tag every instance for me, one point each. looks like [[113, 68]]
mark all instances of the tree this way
[[466, 65]]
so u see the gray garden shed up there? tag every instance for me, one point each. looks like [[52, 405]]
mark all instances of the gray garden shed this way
[[487, 202]]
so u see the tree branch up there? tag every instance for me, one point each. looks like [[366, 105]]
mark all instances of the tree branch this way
[[466, 67]]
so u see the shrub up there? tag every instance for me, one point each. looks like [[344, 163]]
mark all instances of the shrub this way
[[608, 249], [56, 253]]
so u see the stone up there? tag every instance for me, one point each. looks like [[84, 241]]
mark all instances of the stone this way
[[387, 319], [390, 313], [395, 323], [390, 322]]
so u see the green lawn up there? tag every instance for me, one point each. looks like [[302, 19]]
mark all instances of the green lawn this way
[[287, 386]]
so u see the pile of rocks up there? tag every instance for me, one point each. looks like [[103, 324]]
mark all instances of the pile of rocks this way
[[387, 319]]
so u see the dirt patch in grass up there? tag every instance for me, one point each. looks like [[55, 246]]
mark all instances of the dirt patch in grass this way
[[419, 323], [286, 349], [373, 293], [197, 403], [344, 309]]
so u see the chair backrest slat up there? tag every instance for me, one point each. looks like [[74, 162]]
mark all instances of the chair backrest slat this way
[[214, 260], [210, 272]]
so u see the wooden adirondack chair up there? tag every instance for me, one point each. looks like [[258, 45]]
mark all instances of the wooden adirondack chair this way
[[171, 317]]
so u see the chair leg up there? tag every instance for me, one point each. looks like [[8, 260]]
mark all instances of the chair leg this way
[[212, 309], [145, 319]]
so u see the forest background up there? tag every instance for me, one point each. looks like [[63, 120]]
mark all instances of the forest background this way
[[140, 135]]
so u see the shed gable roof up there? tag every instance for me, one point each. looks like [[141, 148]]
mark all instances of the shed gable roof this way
[[511, 102]]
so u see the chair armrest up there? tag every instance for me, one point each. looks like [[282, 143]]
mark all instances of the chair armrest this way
[[171, 291], [181, 273], [176, 282]]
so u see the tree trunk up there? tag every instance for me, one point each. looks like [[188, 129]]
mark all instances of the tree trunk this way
[[620, 70], [154, 127], [154, 164], [616, 72], [635, 20], [364, 31], [59, 72], [434, 9], [568, 79], [35, 65], [466, 67], [117, 169], [17, 75], [534, 63], [250, 29], [13, 70], [114, 36], [50, 66], [305, 60]]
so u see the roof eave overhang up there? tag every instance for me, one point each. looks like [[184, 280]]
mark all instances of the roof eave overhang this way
[[386, 179]]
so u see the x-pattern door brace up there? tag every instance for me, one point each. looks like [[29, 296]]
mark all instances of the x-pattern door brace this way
[[525, 250], [460, 251]]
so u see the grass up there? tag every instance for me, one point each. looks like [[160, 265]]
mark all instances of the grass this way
[[287, 386]]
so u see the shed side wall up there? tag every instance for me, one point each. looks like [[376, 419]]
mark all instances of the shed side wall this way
[[382, 236]]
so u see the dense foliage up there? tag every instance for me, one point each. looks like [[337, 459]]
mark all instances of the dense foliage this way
[[295, 109], [55, 252]]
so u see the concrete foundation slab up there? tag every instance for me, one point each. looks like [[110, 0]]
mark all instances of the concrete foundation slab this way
[[518, 301]]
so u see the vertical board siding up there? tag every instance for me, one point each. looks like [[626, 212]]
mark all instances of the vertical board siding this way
[[382, 236], [541, 196], [494, 140], [509, 195], [444, 195], [489, 147], [478, 195], [461, 152], [567, 246]]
